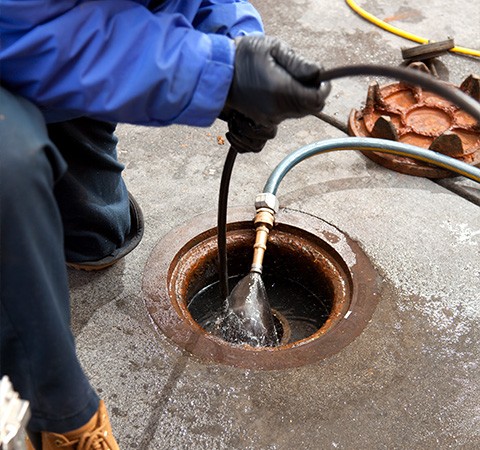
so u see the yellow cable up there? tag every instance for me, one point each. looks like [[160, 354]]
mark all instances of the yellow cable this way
[[405, 34]]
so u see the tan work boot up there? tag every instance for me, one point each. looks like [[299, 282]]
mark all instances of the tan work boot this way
[[28, 444], [96, 434]]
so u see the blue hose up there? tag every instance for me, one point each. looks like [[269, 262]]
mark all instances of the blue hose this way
[[367, 144]]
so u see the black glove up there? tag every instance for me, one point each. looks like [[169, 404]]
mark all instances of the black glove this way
[[271, 83], [244, 134]]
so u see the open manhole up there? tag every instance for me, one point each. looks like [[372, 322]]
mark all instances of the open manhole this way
[[321, 286]]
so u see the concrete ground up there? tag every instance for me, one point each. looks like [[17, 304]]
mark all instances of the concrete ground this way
[[411, 379]]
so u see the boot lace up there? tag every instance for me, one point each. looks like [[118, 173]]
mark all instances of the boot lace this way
[[89, 441], [92, 440]]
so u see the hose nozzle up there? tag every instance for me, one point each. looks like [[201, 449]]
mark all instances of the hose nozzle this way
[[266, 205]]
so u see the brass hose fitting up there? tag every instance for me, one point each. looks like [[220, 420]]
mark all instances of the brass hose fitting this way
[[266, 205]]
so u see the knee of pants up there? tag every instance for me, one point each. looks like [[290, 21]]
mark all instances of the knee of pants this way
[[26, 152]]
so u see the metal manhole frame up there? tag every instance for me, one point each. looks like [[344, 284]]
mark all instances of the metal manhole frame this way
[[170, 314]]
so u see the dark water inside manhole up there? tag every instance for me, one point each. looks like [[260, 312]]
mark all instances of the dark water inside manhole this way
[[300, 292], [297, 312]]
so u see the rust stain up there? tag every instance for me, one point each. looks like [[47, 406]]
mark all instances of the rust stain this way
[[405, 14], [398, 16]]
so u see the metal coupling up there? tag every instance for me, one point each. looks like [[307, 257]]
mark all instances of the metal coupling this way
[[266, 200], [264, 220]]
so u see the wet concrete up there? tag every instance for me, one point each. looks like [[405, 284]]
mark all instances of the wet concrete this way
[[410, 380]]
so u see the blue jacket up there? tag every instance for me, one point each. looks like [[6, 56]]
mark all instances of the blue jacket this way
[[118, 61]]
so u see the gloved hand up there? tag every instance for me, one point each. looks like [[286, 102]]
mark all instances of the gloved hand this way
[[244, 134], [271, 83]]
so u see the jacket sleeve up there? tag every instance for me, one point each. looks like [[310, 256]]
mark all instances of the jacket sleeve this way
[[118, 61], [227, 17]]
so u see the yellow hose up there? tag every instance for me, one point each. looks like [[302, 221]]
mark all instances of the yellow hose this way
[[405, 34]]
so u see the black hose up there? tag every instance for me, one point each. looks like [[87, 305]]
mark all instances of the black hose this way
[[222, 221], [332, 121]]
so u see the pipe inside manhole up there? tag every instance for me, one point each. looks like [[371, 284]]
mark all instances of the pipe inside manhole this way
[[322, 288]]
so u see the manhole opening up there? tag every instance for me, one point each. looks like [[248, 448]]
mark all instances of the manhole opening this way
[[308, 285], [299, 276], [322, 288]]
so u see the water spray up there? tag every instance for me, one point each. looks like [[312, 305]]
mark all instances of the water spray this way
[[248, 318]]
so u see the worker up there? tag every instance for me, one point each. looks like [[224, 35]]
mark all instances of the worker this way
[[70, 71]]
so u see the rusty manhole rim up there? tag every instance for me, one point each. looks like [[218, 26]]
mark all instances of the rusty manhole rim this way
[[171, 316]]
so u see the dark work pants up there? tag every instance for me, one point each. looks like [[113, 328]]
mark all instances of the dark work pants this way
[[61, 197]]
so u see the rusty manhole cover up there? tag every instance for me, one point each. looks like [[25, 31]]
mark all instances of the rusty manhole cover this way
[[304, 255], [408, 114]]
